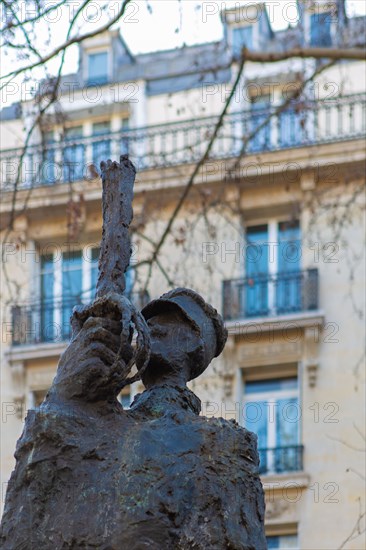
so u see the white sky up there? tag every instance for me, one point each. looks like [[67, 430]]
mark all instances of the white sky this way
[[154, 25], [199, 21]]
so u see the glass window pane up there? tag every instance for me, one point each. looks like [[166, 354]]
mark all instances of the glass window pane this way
[[271, 385], [94, 268], [73, 132], [256, 269], [101, 128], [272, 411], [320, 29], [242, 36], [289, 278], [256, 420], [287, 422], [129, 277], [284, 541], [289, 542], [47, 327], [125, 400], [71, 287], [98, 67], [289, 252], [273, 542]]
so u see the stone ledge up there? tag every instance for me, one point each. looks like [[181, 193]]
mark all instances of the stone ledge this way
[[28, 352], [277, 482], [241, 327], [17, 354]]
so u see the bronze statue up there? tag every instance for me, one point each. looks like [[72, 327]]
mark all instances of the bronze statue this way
[[92, 475]]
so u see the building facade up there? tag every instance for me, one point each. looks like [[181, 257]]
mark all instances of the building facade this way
[[271, 233]]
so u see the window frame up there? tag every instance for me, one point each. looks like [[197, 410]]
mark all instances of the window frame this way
[[271, 397], [273, 241], [55, 301]]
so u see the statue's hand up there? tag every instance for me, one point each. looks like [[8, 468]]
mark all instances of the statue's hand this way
[[94, 365]]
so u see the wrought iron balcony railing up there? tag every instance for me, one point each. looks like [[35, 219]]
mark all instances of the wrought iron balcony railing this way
[[266, 295], [280, 460], [49, 322], [303, 123]]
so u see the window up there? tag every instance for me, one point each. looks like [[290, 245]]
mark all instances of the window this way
[[272, 269], [98, 68], [272, 412], [320, 29], [66, 280], [242, 36], [101, 146], [74, 155], [286, 541]]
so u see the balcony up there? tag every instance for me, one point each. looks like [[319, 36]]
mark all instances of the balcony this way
[[303, 123], [281, 460], [267, 295], [41, 323]]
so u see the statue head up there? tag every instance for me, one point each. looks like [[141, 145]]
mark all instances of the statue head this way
[[186, 334]]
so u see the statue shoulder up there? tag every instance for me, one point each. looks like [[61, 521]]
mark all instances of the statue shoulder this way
[[235, 439]]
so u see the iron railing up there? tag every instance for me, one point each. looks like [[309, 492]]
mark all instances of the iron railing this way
[[266, 295], [303, 123], [281, 459], [44, 322]]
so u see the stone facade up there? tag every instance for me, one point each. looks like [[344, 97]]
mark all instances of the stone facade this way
[[300, 365]]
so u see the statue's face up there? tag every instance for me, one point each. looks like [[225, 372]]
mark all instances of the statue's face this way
[[173, 341]]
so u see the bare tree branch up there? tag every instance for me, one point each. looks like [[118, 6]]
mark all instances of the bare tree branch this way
[[304, 53], [278, 111], [10, 25], [195, 172], [69, 42]]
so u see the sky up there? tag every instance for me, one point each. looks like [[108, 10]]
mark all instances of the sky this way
[[173, 23], [150, 25]]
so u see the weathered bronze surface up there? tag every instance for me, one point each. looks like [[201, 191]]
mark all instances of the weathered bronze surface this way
[[92, 475]]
